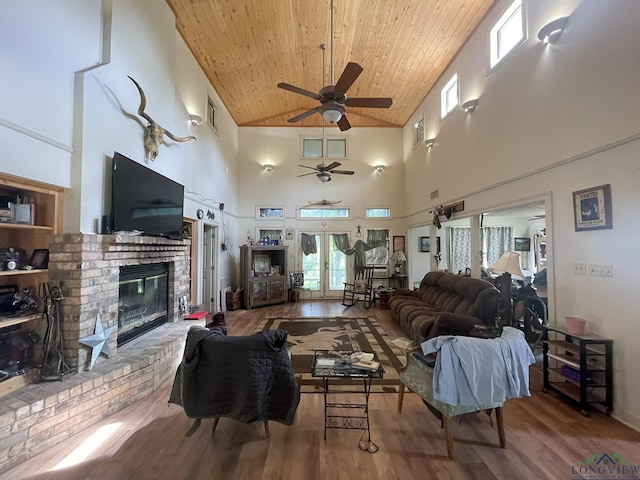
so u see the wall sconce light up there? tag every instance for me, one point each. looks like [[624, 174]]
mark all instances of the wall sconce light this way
[[267, 167], [470, 105], [195, 119], [430, 142], [552, 31], [379, 168]]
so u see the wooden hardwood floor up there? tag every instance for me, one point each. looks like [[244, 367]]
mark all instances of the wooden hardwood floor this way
[[545, 437]]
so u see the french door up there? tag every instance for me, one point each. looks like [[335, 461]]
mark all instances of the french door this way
[[325, 271]]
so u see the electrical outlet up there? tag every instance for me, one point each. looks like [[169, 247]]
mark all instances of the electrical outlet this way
[[579, 268], [596, 270]]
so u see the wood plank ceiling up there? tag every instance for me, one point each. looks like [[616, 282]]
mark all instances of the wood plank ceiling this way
[[246, 47]]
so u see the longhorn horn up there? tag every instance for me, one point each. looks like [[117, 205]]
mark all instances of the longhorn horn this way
[[178, 139], [143, 103]]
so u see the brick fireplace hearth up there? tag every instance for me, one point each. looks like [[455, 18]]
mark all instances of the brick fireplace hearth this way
[[86, 267]]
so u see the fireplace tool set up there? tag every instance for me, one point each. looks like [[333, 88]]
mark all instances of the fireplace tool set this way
[[54, 367]]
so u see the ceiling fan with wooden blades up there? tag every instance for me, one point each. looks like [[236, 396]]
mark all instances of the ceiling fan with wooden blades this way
[[323, 171], [333, 98]]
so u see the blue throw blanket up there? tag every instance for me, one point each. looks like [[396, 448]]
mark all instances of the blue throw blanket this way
[[474, 371]]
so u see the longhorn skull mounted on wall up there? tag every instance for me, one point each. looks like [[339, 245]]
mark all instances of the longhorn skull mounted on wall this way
[[154, 133]]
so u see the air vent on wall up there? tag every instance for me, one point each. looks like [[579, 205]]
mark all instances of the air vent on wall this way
[[435, 194]]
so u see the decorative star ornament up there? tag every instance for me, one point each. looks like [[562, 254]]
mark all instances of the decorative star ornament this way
[[98, 341]]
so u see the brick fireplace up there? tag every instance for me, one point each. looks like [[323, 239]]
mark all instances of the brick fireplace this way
[[87, 269]]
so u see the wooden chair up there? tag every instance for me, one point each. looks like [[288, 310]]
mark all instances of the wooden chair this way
[[418, 377], [296, 286], [360, 289]]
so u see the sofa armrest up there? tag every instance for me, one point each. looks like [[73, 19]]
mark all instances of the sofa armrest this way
[[447, 323]]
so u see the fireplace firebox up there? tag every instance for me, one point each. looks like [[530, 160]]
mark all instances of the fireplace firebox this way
[[143, 299]]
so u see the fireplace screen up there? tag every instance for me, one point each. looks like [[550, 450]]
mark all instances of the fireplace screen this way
[[143, 300]]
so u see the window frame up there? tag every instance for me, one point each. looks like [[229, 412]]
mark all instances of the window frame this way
[[495, 57], [377, 207], [328, 209], [259, 209], [445, 108], [211, 116], [418, 131], [324, 146]]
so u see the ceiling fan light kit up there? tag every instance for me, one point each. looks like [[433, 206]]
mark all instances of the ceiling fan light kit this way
[[333, 98]]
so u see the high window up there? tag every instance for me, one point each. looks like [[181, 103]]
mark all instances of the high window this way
[[212, 120], [507, 32], [449, 96], [333, 148], [418, 132], [378, 212], [319, 212]]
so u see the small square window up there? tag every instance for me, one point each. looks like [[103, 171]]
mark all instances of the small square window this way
[[336, 148], [449, 96], [312, 147], [211, 114], [507, 32], [418, 136]]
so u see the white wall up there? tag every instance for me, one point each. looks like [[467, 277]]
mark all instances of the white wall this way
[[281, 187], [551, 119], [68, 105]]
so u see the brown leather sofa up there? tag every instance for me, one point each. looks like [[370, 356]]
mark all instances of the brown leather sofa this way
[[445, 304]]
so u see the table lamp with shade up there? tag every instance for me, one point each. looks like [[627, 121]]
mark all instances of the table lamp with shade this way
[[509, 265]]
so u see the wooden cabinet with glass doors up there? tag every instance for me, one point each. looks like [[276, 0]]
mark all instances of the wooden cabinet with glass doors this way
[[263, 272]]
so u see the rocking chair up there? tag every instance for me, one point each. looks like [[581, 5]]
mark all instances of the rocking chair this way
[[360, 289]]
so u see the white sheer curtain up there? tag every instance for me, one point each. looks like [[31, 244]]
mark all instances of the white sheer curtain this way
[[460, 249], [496, 241]]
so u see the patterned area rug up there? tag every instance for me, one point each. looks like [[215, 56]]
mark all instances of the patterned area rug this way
[[338, 333]]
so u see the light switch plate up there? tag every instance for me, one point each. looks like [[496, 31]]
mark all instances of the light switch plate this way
[[596, 270], [579, 268]]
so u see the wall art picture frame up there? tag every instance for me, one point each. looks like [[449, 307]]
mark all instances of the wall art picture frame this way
[[592, 208], [40, 259], [522, 244], [398, 243], [425, 244]]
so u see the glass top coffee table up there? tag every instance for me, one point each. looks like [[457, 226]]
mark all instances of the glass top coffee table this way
[[341, 365]]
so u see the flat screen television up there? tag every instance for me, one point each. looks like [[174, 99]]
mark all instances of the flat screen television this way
[[144, 200]]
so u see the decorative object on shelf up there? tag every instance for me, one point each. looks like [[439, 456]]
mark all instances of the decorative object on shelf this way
[[153, 132], [98, 342], [40, 258], [399, 257], [592, 208], [575, 325], [26, 301], [9, 259]]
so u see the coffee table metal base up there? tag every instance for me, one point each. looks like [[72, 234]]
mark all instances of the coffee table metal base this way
[[350, 422]]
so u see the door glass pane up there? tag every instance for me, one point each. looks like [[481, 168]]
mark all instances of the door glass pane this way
[[311, 268], [337, 267]]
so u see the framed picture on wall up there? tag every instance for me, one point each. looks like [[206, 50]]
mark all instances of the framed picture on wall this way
[[592, 208], [522, 244], [425, 244], [398, 243]]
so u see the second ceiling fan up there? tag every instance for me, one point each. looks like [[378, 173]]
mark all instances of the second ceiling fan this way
[[333, 98]]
